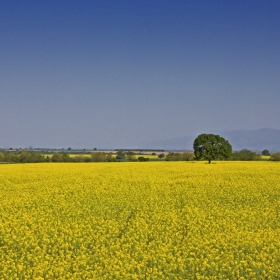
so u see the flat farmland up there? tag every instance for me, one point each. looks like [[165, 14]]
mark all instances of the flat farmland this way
[[152, 220]]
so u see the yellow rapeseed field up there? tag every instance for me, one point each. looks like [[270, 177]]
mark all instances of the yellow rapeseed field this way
[[152, 220]]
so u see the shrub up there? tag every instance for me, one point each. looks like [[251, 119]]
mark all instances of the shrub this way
[[98, 157], [2, 157], [57, 157], [187, 156], [173, 157], [143, 159], [79, 158], [275, 156]]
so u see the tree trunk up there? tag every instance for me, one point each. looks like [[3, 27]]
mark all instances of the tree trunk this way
[[209, 161]]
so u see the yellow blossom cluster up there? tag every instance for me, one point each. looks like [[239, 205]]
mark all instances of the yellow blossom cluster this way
[[155, 220]]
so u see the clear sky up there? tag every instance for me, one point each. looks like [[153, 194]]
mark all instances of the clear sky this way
[[94, 73]]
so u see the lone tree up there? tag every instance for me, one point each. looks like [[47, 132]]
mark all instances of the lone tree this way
[[211, 147], [265, 153], [120, 154], [131, 156]]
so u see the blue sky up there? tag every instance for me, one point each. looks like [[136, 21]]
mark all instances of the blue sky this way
[[111, 74]]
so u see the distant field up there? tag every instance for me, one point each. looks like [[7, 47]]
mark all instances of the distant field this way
[[84, 155], [265, 157], [165, 220]]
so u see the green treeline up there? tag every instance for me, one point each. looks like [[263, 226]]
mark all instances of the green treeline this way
[[121, 155], [35, 157], [23, 157]]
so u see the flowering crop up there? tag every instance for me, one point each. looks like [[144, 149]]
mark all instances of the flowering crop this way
[[155, 220]]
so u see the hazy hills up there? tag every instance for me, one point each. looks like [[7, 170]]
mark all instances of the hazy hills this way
[[255, 140]]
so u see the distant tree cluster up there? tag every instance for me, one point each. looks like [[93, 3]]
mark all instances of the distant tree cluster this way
[[23, 157], [120, 155], [64, 157], [102, 157], [143, 159], [131, 156], [275, 156], [186, 156], [245, 155], [95, 157]]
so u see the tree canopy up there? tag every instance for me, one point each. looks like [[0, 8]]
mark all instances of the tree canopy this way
[[265, 152], [211, 147]]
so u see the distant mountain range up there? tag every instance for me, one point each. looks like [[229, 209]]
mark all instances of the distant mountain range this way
[[254, 140]]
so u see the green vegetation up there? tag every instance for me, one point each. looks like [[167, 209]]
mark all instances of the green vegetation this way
[[186, 156], [211, 147], [143, 159], [275, 156], [245, 155], [131, 156], [265, 153], [121, 155]]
